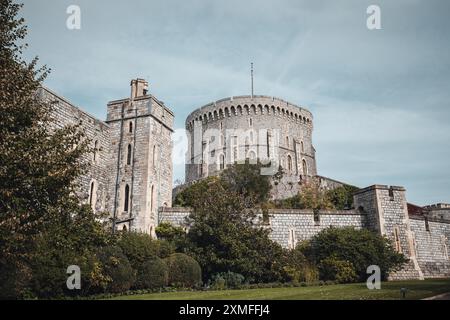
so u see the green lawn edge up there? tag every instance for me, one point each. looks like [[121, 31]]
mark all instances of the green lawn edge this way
[[391, 290]]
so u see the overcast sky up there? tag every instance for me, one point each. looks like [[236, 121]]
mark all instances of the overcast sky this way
[[380, 98]]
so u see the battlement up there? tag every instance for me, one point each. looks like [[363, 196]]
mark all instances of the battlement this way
[[248, 105]]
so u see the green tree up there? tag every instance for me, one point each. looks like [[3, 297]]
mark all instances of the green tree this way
[[362, 248], [226, 235], [342, 197], [39, 171]]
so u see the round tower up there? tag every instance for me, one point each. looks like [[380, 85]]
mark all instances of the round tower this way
[[249, 128]]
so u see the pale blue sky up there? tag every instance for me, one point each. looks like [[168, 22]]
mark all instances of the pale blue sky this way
[[380, 98]]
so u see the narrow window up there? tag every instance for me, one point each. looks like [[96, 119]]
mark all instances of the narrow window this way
[[289, 164], [127, 198], [391, 194], [130, 128], [305, 167], [91, 193], [152, 198], [124, 228], [287, 142], [427, 225], [129, 154], [316, 217], [250, 122], [154, 156], [222, 162], [302, 147], [292, 241], [95, 151]]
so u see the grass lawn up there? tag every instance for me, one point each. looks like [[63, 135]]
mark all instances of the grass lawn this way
[[389, 290]]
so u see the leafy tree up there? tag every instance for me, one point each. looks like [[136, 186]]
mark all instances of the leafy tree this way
[[39, 171], [246, 180], [361, 247], [225, 235], [309, 197], [342, 197]]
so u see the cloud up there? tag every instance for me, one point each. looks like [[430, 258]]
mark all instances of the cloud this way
[[380, 98]]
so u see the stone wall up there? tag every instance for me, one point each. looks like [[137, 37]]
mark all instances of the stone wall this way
[[258, 127], [94, 184], [132, 150], [289, 226], [431, 243]]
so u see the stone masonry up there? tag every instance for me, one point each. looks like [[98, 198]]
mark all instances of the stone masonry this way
[[130, 173]]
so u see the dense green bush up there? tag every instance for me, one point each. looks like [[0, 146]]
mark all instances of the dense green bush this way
[[139, 247], [361, 247], [184, 271], [227, 280], [116, 267], [297, 268], [152, 273], [333, 269]]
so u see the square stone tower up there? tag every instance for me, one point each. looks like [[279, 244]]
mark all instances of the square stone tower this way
[[387, 214], [141, 173]]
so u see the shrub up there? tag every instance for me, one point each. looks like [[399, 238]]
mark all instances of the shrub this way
[[117, 269], [138, 247], [184, 271], [337, 270], [298, 269], [361, 247], [227, 280], [151, 274]]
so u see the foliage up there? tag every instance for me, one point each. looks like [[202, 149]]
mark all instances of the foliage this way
[[298, 269], [362, 247], [246, 180], [342, 197], [226, 236], [184, 271], [153, 273], [172, 234], [337, 270], [116, 267], [43, 227], [139, 247], [227, 280], [309, 197]]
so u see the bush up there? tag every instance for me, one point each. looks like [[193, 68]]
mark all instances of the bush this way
[[117, 269], [333, 269], [152, 273], [298, 269], [361, 247], [228, 279], [184, 271], [138, 247]]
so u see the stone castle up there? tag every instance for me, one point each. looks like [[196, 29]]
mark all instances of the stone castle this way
[[130, 176]]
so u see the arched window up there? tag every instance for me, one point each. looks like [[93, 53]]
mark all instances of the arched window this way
[[127, 198], [124, 228], [305, 167], [95, 156], [129, 154], [287, 142], [130, 128], [252, 155], [91, 193], [302, 147], [289, 163]]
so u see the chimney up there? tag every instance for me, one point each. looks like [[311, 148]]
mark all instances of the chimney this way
[[139, 88]]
